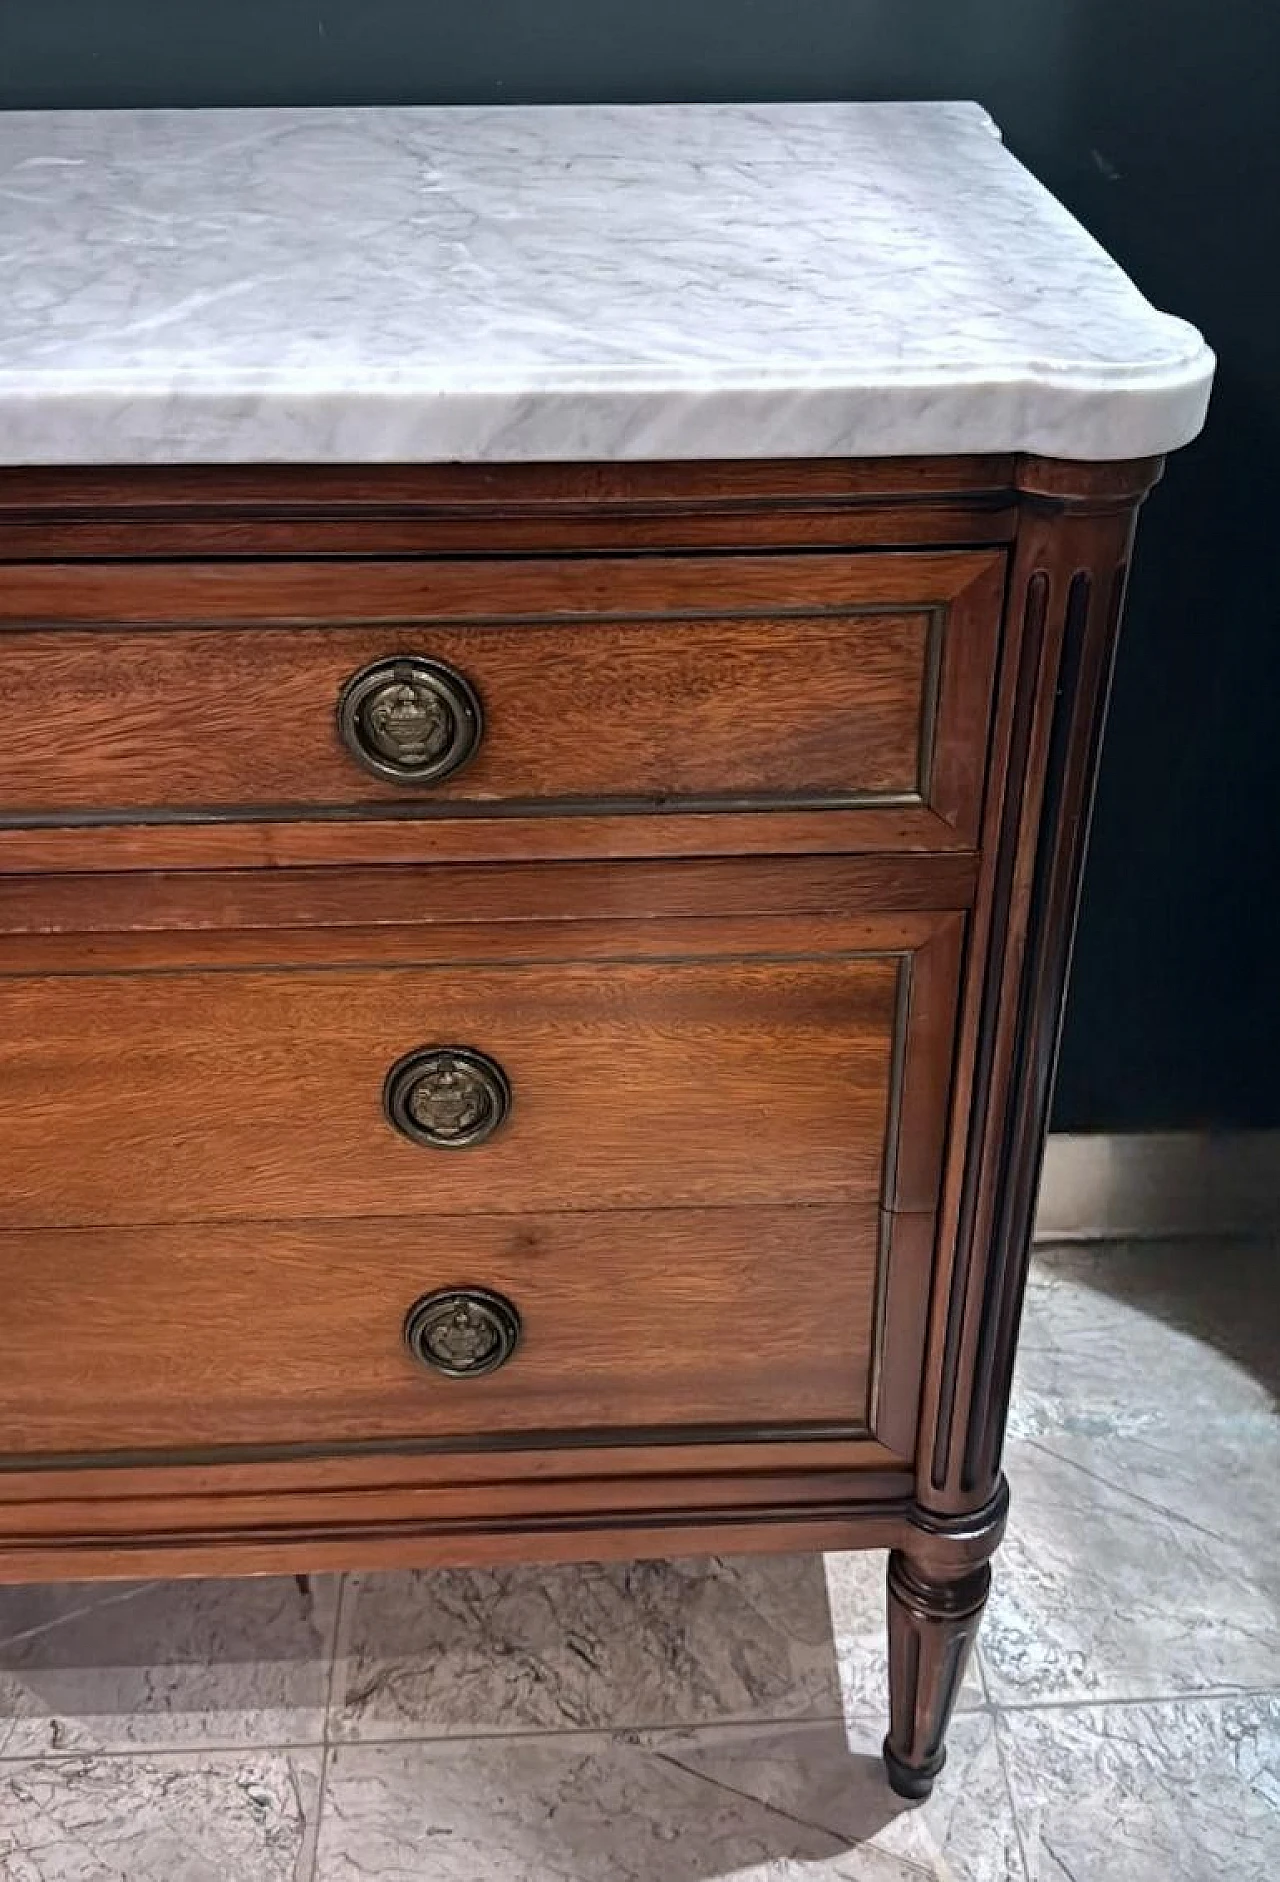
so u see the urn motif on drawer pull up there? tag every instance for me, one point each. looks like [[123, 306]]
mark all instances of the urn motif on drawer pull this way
[[410, 720], [462, 1332], [448, 1097]]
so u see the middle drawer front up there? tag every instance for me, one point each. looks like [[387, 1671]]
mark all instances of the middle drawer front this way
[[261, 1091]]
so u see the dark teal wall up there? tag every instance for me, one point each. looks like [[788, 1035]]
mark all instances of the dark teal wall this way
[[1157, 124]]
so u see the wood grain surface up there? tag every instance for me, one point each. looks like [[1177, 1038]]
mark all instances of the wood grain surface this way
[[760, 889], [183, 1095], [607, 686], [279, 1333], [669, 709], [450, 509]]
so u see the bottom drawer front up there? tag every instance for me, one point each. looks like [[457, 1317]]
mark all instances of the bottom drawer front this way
[[278, 1334]]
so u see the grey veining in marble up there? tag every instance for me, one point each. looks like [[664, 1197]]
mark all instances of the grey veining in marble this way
[[165, 1665], [588, 1646], [566, 282], [1173, 1793], [1143, 1338], [1111, 1586], [222, 1817], [768, 1804], [1141, 1557]]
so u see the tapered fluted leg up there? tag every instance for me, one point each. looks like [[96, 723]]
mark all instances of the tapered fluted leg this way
[[938, 1586], [932, 1627]]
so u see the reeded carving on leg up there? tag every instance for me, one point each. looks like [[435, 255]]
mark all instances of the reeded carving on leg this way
[[1066, 593], [938, 1587], [932, 1628], [1066, 589]]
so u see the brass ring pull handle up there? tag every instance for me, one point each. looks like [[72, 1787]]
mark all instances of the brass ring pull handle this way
[[410, 720], [447, 1097], [462, 1332]]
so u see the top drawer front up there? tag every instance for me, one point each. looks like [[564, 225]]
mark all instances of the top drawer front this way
[[201, 693]]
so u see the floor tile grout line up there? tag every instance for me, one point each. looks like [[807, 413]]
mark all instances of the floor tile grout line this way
[[68, 1618], [337, 1645], [1015, 1814], [980, 1666], [309, 1854], [71, 1754], [81, 1754], [1123, 1490], [736, 1727], [1208, 1695], [627, 1730], [772, 1809], [77, 1754], [143, 1749]]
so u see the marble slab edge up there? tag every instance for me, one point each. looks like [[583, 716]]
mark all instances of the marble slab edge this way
[[1105, 421]]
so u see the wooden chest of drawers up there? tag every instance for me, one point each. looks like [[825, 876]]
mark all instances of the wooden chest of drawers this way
[[527, 1009]]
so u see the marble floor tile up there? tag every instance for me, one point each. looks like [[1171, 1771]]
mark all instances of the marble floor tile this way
[[217, 1817], [1143, 1553], [1112, 1585], [781, 1803], [1127, 1338], [587, 1646], [107, 1666], [1181, 1792]]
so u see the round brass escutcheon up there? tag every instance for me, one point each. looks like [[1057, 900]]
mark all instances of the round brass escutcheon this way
[[462, 1332], [410, 720], [448, 1097]]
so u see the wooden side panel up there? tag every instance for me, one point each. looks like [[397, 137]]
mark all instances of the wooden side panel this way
[[1066, 597]]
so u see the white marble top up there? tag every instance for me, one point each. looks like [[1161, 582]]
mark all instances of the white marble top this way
[[563, 282]]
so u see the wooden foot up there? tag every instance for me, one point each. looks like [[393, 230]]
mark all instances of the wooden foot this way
[[938, 1586], [932, 1626]]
